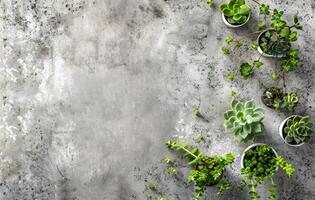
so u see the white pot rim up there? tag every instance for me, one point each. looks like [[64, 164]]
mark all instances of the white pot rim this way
[[254, 145], [234, 26], [261, 51], [281, 131]]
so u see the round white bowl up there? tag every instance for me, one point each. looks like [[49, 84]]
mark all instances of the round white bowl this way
[[251, 146], [234, 26], [261, 52], [281, 132]]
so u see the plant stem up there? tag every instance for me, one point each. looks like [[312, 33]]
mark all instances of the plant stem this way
[[283, 77], [256, 2], [186, 150]]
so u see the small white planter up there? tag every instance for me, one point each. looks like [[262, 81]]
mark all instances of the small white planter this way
[[281, 132], [261, 52], [232, 25], [251, 146]]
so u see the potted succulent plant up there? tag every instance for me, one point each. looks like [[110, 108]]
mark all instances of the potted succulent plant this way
[[259, 163], [277, 99], [296, 130], [244, 120], [275, 40], [235, 13], [207, 171]]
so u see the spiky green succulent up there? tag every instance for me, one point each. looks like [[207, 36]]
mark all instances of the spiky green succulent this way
[[244, 120], [297, 129], [235, 11], [291, 100]]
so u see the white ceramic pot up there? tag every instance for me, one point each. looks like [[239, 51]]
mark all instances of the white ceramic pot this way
[[261, 52], [251, 146], [281, 132], [234, 26]]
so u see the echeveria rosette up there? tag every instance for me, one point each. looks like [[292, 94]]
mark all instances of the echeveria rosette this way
[[297, 130], [235, 11], [291, 100], [244, 120]]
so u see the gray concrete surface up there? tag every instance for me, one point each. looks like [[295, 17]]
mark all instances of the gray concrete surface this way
[[90, 90]]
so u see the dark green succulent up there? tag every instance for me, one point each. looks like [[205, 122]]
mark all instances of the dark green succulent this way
[[244, 120], [297, 130], [236, 11], [259, 165]]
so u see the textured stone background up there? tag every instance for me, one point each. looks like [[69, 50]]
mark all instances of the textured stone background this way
[[90, 90]]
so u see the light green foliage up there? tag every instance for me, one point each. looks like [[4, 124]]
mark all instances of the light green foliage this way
[[289, 62], [264, 9], [230, 76], [233, 93], [171, 170], [246, 70], [272, 189], [260, 165], [254, 45], [151, 186], [167, 160], [285, 166], [207, 170], [290, 100], [225, 51], [297, 130], [236, 11], [210, 2], [223, 186], [197, 112], [229, 40], [274, 76], [257, 63], [244, 120], [261, 25]]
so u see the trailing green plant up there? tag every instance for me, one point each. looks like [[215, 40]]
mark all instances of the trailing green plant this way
[[260, 165], [207, 170], [297, 129], [236, 11], [277, 98], [244, 120]]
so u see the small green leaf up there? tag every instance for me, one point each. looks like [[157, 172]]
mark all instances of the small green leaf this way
[[264, 9], [244, 9], [261, 24], [285, 32], [229, 40], [210, 2], [246, 70], [254, 45], [225, 50], [230, 76], [257, 63], [295, 19], [233, 93], [274, 76]]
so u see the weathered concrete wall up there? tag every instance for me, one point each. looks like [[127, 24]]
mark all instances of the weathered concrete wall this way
[[92, 89]]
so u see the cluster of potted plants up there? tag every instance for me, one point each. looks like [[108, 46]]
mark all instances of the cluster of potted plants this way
[[277, 98], [244, 120], [260, 161]]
